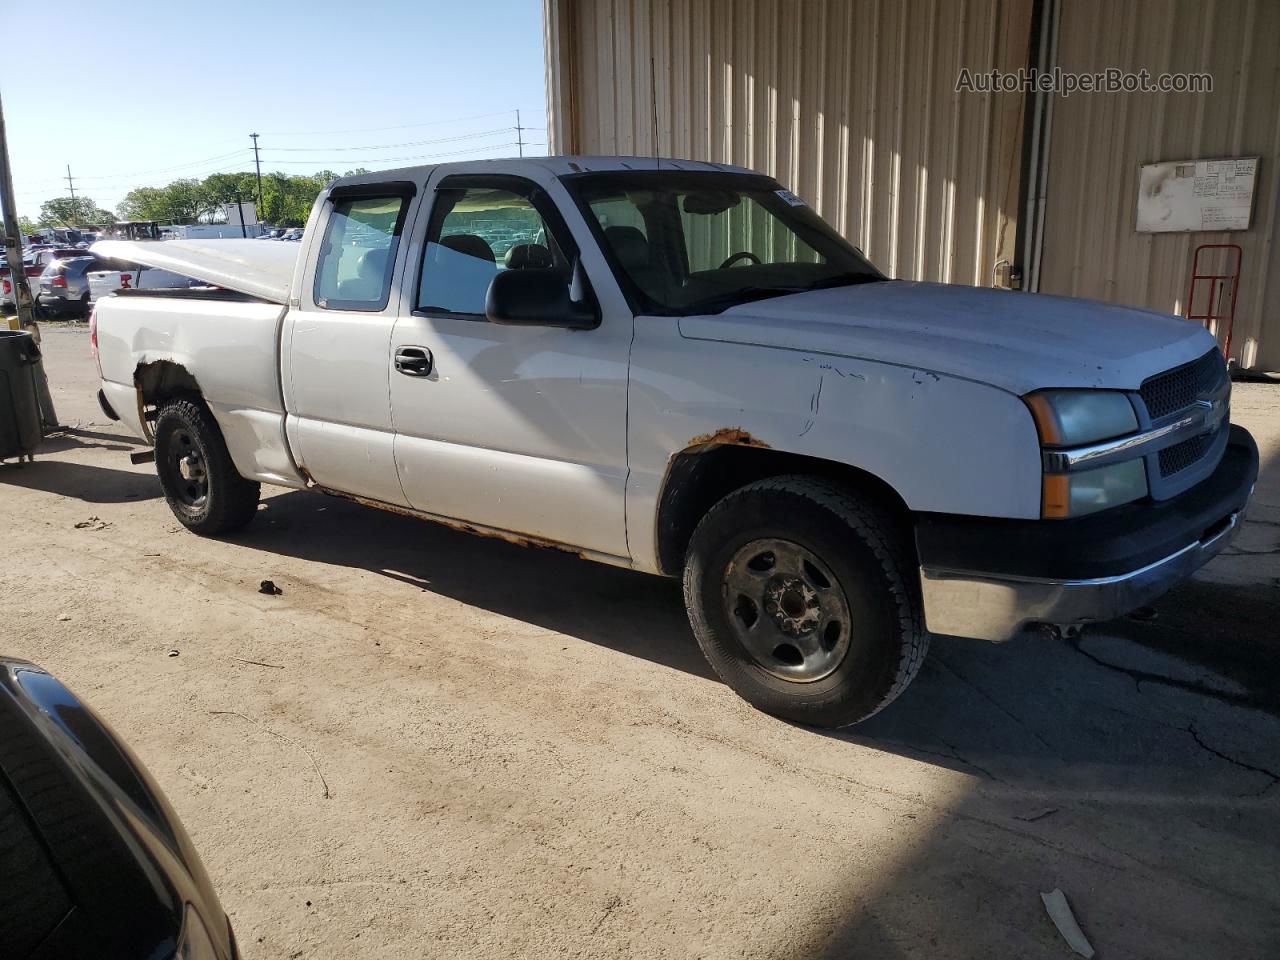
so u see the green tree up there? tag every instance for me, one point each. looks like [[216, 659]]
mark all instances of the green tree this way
[[286, 198], [223, 188], [187, 201], [143, 203], [27, 226], [68, 212], [182, 201]]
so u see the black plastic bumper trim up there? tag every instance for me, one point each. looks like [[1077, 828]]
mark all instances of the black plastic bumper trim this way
[[1103, 544]]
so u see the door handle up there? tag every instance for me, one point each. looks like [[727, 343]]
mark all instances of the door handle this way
[[414, 361]]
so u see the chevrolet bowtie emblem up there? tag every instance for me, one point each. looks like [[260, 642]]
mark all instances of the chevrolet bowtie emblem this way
[[1214, 409]]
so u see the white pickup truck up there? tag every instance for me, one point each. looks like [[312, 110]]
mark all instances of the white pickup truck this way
[[678, 367]]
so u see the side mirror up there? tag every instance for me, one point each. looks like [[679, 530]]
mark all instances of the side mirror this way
[[541, 298]]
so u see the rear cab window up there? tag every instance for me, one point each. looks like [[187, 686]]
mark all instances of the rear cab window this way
[[479, 227], [358, 253]]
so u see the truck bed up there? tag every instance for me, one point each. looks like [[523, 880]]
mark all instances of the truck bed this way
[[227, 342]]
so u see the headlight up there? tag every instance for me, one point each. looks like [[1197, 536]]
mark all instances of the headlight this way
[[1074, 418], [1076, 494], [1067, 418]]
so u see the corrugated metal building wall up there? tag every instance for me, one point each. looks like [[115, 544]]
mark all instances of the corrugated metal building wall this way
[[849, 103], [1099, 141], [852, 104]]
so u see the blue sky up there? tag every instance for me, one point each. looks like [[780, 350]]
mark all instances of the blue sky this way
[[147, 92]]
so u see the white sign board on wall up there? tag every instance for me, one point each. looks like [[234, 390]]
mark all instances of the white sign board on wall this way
[[1182, 195]]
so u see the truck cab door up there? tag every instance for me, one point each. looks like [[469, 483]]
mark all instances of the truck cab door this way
[[335, 346], [519, 429]]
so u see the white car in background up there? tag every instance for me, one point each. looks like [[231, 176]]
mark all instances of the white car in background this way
[[133, 276]]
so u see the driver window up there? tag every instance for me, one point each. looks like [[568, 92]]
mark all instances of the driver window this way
[[474, 233]]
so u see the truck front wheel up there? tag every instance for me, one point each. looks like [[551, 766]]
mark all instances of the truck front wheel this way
[[200, 482], [803, 598]]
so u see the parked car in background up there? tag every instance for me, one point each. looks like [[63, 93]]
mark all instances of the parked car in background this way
[[34, 262], [133, 230], [64, 287], [108, 276], [7, 296], [93, 860], [293, 234], [209, 231]]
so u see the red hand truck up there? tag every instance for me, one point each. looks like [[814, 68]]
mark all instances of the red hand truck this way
[[1218, 284]]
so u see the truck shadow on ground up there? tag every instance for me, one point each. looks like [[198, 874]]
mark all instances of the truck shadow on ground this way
[[1122, 708], [633, 613], [74, 438], [81, 481], [1105, 766]]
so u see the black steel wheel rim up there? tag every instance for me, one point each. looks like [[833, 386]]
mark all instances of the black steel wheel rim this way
[[787, 610], [188, 469]]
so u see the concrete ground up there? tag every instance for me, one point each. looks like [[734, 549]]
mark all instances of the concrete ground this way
[[439, 745]]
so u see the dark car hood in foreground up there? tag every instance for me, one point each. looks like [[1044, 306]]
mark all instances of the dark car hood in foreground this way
[[93, 861]]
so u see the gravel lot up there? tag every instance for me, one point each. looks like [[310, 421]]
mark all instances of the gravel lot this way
[[451, 746]]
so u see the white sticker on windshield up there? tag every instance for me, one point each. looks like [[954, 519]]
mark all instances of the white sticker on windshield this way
[[790, 198]]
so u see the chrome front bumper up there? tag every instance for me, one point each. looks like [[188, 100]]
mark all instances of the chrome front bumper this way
[[960, 603]]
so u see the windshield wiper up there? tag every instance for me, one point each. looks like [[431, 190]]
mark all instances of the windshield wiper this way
[[844, 280], [732, 298]]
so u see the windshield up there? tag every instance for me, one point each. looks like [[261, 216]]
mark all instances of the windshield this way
[[685, 243]]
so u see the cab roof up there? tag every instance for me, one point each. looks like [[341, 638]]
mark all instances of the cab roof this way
[[559, 166]]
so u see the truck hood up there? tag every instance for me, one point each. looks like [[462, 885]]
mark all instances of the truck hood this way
[[259, 268], [1016, 341]]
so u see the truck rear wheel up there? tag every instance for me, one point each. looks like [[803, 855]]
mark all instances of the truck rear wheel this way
[[804, 600], [200, 482]]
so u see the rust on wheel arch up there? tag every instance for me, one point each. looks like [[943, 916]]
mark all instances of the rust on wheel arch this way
[[728, 435]]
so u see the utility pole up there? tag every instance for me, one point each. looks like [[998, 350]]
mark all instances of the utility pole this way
[[12, 238], [258, 168], [70, 183], [519, 134], [18, 276]]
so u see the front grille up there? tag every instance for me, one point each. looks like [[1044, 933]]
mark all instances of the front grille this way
[[1185, 454], [1175, 389]]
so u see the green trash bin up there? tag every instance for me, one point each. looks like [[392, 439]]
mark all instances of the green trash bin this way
[[20, 428]]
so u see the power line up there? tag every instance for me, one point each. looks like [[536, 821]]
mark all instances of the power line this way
[[358, 161], [176, 166], [404, 126], [241, 155], [391, 146]]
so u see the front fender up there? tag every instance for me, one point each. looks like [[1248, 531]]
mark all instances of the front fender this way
[[944, 444]]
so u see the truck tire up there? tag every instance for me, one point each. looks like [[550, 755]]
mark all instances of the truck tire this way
[[200, 482], [804, 600]]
